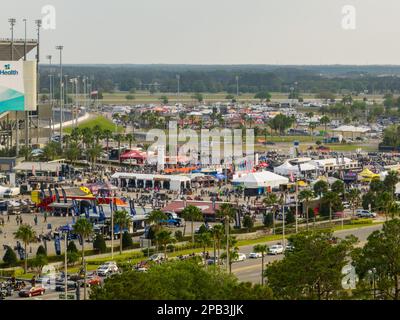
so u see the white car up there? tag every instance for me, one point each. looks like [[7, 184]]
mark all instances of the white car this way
[[276, 249], [365, 214], [241, 257], [107, 268], [157, 257], [255, 255]]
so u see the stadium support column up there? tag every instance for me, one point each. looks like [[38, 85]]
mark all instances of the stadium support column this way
[[12, 22]]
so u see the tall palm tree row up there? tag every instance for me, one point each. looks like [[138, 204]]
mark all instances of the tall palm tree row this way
[[226, 212], [124, 221]]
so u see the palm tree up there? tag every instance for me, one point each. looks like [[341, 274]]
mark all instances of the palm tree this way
[[353, 196], [226, 212], [218, 233], [123, 220], [66, 140], [94, 152], [130, 138], [84, 229], [76, 134], [98, 132], [26, 152], [156, 217], [325, 121], [330, 198], [73, 152], [191, 213], [205, 240], [27, 235], [271, 200], [306, 196], [232, 253], [263, 249], [164, 238], [107, 134]]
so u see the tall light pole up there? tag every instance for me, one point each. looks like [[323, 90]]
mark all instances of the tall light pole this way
[[38, 25], [12, 22], [49, 57], [60, 48]]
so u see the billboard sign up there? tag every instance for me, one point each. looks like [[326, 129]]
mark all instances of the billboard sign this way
[[12, 89]]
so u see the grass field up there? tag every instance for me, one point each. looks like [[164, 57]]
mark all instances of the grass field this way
[[101, 121]]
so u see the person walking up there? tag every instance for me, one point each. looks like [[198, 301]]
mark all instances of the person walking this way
[[35, 219]]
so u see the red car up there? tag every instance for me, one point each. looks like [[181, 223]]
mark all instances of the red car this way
[[31, 292], [93, 281]]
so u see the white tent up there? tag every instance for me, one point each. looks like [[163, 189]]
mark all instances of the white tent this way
[[262, 179], [286, 169]]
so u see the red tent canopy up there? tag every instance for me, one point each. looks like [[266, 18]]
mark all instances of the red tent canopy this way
[[133, 154]]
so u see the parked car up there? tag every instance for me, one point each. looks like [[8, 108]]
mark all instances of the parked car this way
[[276, 249], [255, 255], [107, 269], [157, 257], [241, 257], [32, 291], [92, 281], [71, 285], [361, 213]]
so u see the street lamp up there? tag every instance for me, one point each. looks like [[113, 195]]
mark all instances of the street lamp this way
[[60, 48], [373, 273], [12, 22]]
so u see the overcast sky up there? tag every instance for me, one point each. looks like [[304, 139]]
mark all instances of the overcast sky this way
[[214, 31]]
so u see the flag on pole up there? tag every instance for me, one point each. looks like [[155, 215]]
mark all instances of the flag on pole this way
[[291, 176]]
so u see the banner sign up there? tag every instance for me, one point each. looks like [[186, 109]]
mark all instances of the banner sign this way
[[12, 89], [57, 244]]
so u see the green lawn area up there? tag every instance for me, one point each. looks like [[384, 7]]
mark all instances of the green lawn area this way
[[101, 121], [351, 147]]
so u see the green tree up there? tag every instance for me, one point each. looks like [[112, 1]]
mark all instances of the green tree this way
[[218, 233], [263, 95], [226, 212], [178, 280], [164, 238], [27, 235], [10, 258], [321, 187], [127, 242], [332, 200], [263, 249], [313, 270], [354, 199], [204, 239], [41, 251], [248, 222], [124, 221], [192, 213], [306, 196], [99, 243], [381, 258], [338, 187], [325, 120]]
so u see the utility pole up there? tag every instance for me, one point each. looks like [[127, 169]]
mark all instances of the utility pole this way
[[237, 86], [60, 48]]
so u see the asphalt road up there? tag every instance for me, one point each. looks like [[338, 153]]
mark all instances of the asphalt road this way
[[250, 270]]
